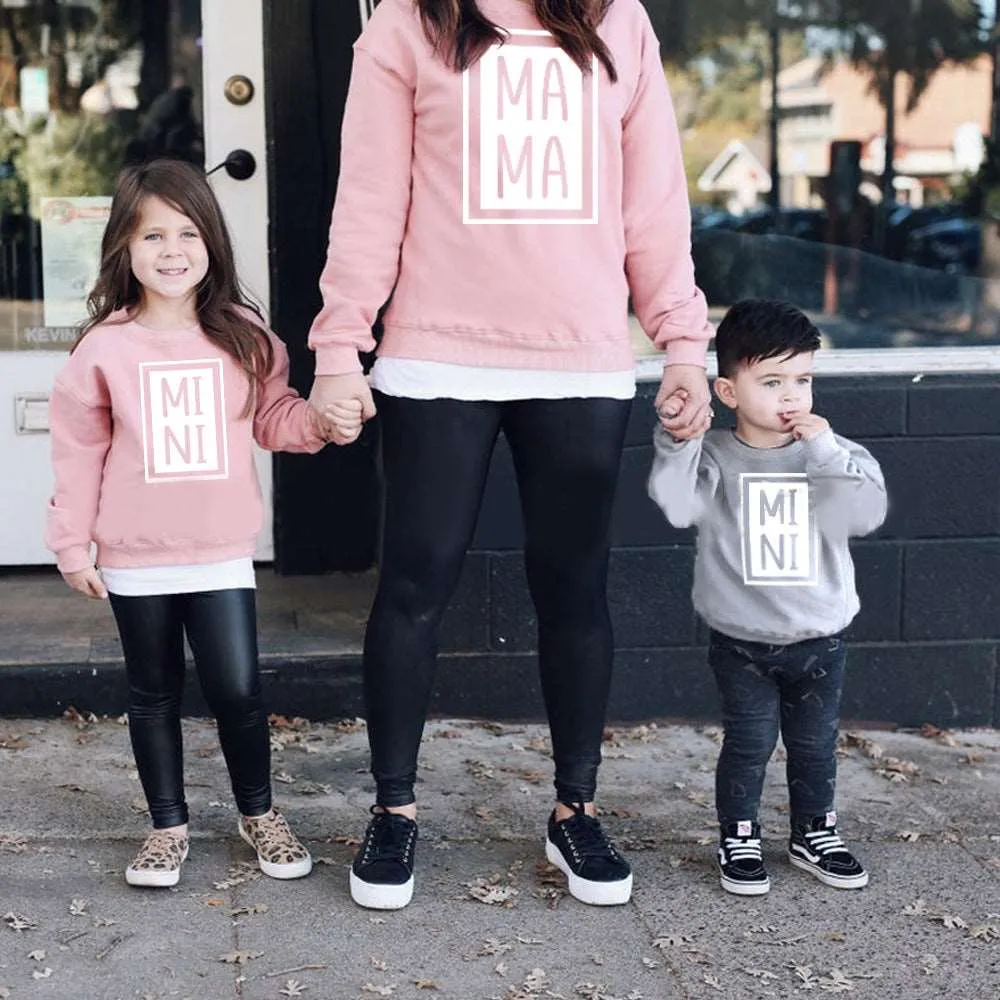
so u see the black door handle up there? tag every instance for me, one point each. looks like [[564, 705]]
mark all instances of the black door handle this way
[[239, 164]]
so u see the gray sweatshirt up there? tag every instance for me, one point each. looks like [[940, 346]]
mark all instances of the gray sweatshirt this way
[[772, 561]]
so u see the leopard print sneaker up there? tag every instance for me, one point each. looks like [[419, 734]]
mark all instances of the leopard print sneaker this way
[[280, 853], [158, 863]]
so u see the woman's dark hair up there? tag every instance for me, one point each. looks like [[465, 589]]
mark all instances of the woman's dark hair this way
[[460, 31], [224, 312], [758, 329]]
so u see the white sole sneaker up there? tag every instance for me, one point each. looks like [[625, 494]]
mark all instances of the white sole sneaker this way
[[745, 888], [151, 879], [835, 882], [294, 869], [377, 896], [593, 893]]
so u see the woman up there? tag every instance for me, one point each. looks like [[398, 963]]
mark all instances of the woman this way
[[511, 172]]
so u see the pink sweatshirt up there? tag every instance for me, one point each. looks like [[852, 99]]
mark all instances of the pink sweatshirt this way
[[514, 207], [152, 459]]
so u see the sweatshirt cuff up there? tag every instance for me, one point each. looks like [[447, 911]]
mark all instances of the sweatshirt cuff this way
[[337, 360], [74, 559], [683, 351], [663, 439], [823, 447]]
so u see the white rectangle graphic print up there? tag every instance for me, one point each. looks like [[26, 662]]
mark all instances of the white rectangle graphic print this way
[[530, 138], [777, 530], [183, 420]]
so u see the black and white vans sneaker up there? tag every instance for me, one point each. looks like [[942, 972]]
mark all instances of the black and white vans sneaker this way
[[597, 873], [818, 849], [382, 873], [741, 863]]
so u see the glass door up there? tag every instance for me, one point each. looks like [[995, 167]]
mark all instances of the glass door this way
[[85, 87]]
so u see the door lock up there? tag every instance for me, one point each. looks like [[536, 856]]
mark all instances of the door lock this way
[[239, 90], [240, 164]]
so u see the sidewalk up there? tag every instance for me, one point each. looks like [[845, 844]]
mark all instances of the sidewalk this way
[[487, 920]]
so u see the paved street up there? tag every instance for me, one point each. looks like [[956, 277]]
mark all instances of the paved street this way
[[488, 919]]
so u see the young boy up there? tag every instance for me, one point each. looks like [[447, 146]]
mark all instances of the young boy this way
[[774, 504]]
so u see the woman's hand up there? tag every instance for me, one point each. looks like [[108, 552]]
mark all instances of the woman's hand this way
[[329, 390], [88, 582], [682, 404]]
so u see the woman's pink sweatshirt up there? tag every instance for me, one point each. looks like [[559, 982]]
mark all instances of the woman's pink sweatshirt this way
[[513, 207], [153, 460]]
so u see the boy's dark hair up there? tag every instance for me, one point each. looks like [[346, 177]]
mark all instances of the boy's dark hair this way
[[757, 329]]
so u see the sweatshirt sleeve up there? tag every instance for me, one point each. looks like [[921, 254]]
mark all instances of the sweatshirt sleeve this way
[[683, 479], [850, 489], [372, 203], [282, 419], [81, 436], [669, 305]]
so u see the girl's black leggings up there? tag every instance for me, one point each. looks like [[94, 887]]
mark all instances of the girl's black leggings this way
[[436, 454], [221, 628]]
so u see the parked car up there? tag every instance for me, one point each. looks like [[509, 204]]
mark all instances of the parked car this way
[[951, 246], [799, 223], [906, 220]]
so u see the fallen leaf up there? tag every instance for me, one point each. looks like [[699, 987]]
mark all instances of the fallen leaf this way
[[379, 991], [929, 964], [78, 907], [671, 941], [293, 988], [18, 922], [239, 957], [249, 911], [38, 955], [380, 963], [14, 743], [651, 963], [41, 975], [426, 984], [215, 902], [104, 922]]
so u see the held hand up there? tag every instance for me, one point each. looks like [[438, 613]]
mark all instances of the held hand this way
[[805, 426], [88, 582], [343, 421], [682, 403], [330, 389]]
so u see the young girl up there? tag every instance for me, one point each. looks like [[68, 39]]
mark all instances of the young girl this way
[[153, 420]]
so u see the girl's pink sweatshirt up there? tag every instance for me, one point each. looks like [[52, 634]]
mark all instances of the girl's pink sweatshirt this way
[[513, 207], [152, 458]]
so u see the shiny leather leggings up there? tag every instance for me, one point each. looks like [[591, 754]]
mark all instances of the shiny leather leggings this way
[[221, 628], [436, 454]]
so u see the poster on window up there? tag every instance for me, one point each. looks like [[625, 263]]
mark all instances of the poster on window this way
[[71, 253]]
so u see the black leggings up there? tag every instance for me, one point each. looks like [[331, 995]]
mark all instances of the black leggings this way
[[436, 454], [221, 628]]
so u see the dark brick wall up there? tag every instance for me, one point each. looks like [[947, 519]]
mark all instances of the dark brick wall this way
[[925, 646]]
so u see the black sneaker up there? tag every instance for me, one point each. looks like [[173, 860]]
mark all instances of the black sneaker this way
[[382, 873], [741, 864], [597, 873], [816, 848]]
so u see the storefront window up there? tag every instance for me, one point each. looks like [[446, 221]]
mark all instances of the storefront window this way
[[880, 221], [85, 86]]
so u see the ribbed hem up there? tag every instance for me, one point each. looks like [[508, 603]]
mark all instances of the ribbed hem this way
[[499, 349], [687, 352], [74, 559], [739, 633], [193, 553], [337, 361]]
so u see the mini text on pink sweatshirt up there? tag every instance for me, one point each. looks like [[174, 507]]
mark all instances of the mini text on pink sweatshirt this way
[[153, 460], [511, 209]]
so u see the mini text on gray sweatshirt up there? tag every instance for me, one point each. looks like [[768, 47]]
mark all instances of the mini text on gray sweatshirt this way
[[772, 562]]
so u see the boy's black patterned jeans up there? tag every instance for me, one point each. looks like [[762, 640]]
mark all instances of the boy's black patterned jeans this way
[[764, 689]]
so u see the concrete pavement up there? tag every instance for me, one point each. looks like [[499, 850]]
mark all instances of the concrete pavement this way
[[489, 918]]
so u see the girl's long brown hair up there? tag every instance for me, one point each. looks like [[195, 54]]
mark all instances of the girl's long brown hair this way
[[224, 311], [460, 31]]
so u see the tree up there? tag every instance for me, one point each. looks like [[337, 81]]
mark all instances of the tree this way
[[887, 43]]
